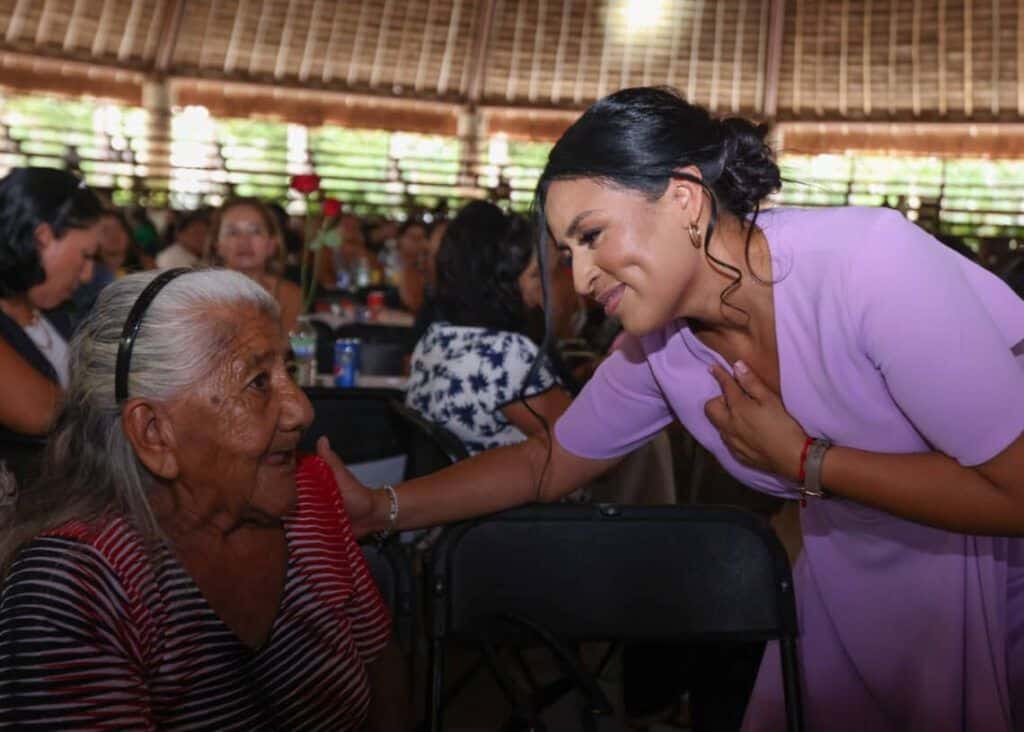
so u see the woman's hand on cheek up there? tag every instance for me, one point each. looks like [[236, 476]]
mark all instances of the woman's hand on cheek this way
[[358, 498], [754, 424]]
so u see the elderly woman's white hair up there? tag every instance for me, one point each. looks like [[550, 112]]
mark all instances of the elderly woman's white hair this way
[[89, 468]]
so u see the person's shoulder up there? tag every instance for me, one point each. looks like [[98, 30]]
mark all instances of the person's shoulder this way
[[82, 558], [830, 226], [319, 505], [286, 288]]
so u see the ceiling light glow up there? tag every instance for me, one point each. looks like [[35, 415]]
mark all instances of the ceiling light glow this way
[[643, 14]]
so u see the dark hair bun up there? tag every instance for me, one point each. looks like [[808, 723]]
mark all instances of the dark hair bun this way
[[641, 137], [749, 172]]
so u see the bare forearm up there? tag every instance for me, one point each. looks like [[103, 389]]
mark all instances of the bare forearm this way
[[491, 481], [929, 488]]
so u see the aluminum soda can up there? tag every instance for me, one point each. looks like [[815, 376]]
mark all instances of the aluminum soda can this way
[[346, 361]]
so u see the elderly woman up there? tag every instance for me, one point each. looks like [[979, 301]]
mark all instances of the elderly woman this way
[[178, 564]]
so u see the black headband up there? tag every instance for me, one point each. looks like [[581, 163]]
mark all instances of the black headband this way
[[131, 329]]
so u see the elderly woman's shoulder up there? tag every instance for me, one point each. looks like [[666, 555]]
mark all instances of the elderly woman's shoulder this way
[[77, 558]]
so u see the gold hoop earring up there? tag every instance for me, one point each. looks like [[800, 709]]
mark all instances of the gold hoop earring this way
[[695, 238]]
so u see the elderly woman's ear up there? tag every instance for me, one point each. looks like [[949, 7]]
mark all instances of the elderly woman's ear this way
[[151, 433]]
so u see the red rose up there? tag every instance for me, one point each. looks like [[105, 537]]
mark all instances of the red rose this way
[[306, 184], [332, 207]]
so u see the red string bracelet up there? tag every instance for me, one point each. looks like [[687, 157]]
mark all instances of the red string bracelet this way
[[803, 459]]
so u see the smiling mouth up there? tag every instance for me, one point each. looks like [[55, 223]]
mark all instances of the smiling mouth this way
[[610, 298]]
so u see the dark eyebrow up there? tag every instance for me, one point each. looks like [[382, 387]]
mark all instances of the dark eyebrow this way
[[574, 225]]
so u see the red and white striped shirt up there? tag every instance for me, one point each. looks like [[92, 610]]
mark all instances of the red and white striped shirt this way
[[96, 633]]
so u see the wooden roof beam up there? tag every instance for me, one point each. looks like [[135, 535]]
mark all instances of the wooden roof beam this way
[[421, 65], [174, 14], [234, 40], [382, 42], [284, 46], [577, 92], [517, 33], [17, 20], [71, 34], [538, 46], [773, 57], [449, 47], [737, 58], [563, 39], [487, 11], [131, 30]]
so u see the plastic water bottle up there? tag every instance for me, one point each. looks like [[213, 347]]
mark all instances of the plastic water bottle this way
[[363, 273], [303, 342]]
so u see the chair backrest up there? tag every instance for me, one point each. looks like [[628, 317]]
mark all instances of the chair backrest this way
[[429, 446], [22, 455], [324, 347], [376, 333], [571, 572], [359, 423], [381, 359], [618, 572], [392, 571]]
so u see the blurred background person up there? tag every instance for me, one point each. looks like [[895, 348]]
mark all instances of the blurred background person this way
[[245, 237], [49, 237], [190, 236], [413, 258], [116, 256], [349, 265], [469, 368]]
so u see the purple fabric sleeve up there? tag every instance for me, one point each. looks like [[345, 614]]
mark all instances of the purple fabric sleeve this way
[[940, 330], [619, 409]]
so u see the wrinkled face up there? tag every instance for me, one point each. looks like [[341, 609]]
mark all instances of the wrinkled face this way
[[629, 253], [67, 262], [113, 243], [244, 242], [238, 428]]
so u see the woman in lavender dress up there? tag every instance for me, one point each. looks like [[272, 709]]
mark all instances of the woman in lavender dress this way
[[837, 348]]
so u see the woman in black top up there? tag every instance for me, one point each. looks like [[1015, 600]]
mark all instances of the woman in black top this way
[[49, 231]]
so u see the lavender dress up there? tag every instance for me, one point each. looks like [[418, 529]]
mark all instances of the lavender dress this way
[[887, 342]]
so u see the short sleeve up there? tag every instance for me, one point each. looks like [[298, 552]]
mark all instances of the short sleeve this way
[[618, 410], [364, 607], [68, 652], [520, 353], [940, 330]]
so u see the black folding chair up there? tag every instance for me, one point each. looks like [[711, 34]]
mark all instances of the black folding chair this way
[[381, 359], [566, 573], [378, 333], [393, 572], [324, 347], [359, 423], [429, 446], [22, 456]]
